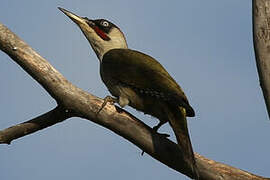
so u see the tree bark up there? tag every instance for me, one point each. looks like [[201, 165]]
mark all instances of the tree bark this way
[[48, 119], [261, 39], [73, 101]]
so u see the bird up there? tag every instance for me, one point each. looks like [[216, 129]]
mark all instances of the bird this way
[[138, 80]]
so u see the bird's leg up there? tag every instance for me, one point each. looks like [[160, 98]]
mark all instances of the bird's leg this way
[[155, 128], [107, 99]]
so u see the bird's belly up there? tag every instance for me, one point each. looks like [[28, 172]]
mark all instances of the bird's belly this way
[[141, 102], [145, 103], [135, 100]]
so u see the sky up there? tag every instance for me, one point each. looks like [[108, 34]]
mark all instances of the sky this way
[[205, 45]]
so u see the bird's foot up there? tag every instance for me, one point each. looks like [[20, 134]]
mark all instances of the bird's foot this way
[[164, 135], [155, 128], [107, 99]]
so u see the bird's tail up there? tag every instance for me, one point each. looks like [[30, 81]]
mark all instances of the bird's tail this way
[[178, 122]]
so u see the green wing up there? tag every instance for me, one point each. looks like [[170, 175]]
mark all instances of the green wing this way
[[142, 72]]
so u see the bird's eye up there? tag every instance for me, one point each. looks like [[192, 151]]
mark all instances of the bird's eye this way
[[105, 23]]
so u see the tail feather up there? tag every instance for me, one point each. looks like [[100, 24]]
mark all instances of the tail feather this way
[[178, 122]]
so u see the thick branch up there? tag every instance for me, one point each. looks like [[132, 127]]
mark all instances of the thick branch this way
[[48, 119], [261, 39], [85, 105]]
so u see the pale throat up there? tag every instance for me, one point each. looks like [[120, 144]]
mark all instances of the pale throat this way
[[101, 49], [100, 46]]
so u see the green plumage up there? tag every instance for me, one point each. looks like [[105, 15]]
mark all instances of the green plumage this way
[[146, 86], [139, 81], [144, 74]]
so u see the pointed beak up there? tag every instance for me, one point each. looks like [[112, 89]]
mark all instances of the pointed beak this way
[[86, 25], [77, 19]]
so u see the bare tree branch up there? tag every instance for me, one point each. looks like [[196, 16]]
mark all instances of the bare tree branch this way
[[261, 36], [48, 119], [73, 101]]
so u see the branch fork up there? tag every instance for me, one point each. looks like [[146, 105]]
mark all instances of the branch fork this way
[[75, 102]]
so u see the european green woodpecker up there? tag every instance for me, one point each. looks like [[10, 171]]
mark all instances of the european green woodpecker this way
[[138, 80]]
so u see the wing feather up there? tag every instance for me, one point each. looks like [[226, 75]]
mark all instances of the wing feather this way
[[143, 72]]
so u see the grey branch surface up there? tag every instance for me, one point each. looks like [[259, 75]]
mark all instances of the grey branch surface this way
[[73, 101], [261, 36], [48, 119]]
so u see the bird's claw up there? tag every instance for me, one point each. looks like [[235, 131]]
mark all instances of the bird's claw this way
[[107, 99], [155, 128]]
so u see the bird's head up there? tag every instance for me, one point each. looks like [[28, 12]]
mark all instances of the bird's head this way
[[101, 34]]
